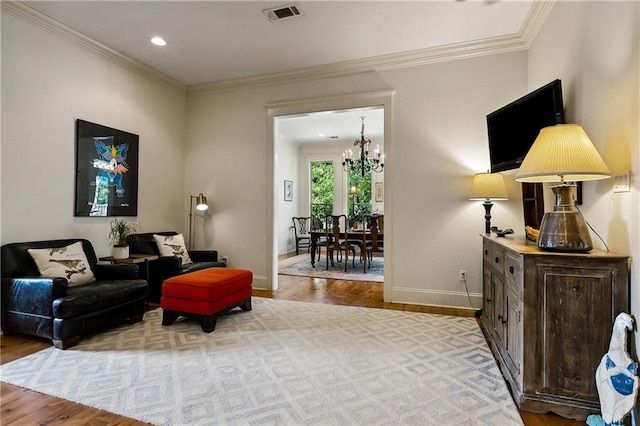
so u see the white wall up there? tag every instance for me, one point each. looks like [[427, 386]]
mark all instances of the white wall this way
[[439, 143], [287, 169], [593, 47], [47, 83]]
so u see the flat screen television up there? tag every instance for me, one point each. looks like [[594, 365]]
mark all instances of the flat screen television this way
[[513, 128]]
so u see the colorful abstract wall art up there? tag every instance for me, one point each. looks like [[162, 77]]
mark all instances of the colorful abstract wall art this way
[[106, 171]]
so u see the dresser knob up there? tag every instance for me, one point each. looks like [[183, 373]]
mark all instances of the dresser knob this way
[[497, 260], [511, 269]]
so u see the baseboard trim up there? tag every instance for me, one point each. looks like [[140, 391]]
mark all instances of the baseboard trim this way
[[439, 298]]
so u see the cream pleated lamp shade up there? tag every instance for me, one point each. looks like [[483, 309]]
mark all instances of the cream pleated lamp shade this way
[[562, 153], [488, 186]]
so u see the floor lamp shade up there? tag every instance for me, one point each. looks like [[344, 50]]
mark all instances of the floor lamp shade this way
[[201, 202], [563, 153], [488, 187]]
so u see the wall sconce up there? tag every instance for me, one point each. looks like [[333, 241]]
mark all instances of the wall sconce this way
[[488, 186], [563, 153], [201, 205]]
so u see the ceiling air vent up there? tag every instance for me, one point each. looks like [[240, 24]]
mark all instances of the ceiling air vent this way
[[282, 12]]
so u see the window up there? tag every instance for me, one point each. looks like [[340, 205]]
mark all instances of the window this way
[[321, 188], [361, 205]]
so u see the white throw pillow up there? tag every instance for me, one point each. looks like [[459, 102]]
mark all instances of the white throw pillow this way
[[173, 245], [69, 262]]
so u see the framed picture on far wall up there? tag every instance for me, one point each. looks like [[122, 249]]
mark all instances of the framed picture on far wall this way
[[379, 191], [288, 190], [106, 171]]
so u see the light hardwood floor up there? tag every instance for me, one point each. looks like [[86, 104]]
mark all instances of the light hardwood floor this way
[[23, 407]]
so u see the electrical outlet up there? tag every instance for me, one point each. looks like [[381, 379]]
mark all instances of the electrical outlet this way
[[463, 275], [225, 259]]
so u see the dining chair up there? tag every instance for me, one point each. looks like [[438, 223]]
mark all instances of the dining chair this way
[[372, 237], [336, 234], [318, 224], [301, 227]]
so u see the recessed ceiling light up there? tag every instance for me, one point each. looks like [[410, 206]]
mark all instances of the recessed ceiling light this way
[[158, 41]]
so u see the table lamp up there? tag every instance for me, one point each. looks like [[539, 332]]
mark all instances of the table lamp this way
[[563, 153], [488, 186], [354, 191]]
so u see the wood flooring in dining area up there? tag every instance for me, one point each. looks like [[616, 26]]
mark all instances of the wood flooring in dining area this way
[[24, 407]]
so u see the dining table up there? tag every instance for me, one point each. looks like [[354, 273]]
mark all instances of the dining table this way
[[352, 234]]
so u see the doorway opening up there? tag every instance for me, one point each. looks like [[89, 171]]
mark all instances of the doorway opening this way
[[328, 150]]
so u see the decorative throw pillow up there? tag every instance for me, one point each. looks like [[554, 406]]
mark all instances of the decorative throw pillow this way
[[69, 262], [173, 245]]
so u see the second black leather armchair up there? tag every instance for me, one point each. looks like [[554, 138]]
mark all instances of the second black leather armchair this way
[[168, 266]]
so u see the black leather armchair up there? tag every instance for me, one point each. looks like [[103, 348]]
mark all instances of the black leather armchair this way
[[168, 266], [50, 308]]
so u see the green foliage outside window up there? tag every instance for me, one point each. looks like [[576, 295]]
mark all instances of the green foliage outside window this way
[[321, 188], [363, 186], [322, 192]]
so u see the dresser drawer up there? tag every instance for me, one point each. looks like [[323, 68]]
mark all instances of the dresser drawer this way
[[486, 251], [513, 266], [497, 259]]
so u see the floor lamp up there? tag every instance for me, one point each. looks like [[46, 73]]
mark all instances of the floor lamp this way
[[201, 204]]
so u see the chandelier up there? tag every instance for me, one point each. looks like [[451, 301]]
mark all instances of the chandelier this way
[[364, 164]]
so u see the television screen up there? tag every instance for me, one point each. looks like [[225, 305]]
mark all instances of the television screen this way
[[513, 128]]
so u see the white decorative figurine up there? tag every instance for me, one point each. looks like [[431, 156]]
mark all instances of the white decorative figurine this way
[[616, 378]]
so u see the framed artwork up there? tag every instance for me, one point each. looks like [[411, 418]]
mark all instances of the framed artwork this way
[[379, 191], [288, 190], [106, 171]]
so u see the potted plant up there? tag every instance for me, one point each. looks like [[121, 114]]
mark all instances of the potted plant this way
[[119, 234]]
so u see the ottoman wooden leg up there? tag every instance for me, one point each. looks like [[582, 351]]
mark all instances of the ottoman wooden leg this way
[[169, 317], [208, 322], [246, 305]]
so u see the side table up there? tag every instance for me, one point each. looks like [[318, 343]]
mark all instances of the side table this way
[[134, 258]]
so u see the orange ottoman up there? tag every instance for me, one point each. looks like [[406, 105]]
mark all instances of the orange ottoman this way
[[205, 294]]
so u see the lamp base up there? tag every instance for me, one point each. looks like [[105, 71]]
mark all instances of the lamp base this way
[[487, 216], [564, 229]]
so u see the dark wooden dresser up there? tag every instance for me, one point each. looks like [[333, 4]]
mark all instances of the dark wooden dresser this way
[[548, 319]]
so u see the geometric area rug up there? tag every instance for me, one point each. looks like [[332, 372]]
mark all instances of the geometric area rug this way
[[300, 265], [285, 363]]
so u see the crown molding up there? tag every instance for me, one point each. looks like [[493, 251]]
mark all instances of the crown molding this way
[[374, 64], [491, 46], [51, 25], [538, 13]]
